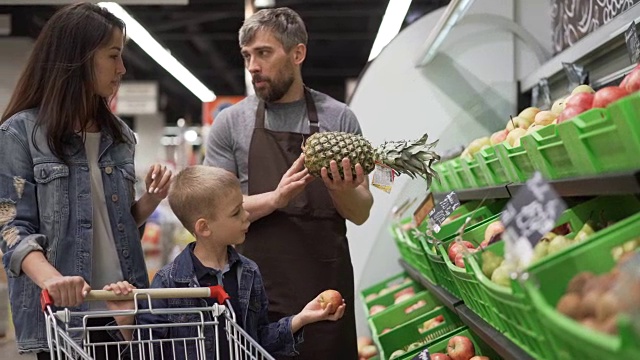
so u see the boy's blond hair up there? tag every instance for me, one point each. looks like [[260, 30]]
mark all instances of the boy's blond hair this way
[[196, 192]]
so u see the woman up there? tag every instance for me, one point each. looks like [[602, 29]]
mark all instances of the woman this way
[[68, 215]]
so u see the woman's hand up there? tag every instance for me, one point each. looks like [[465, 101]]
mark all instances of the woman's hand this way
[[158, 180], [67, 291]]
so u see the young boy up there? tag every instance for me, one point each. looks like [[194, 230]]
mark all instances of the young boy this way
[[208, 202]]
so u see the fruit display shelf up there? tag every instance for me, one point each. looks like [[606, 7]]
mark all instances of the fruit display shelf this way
[[605, 184], [503, 346]]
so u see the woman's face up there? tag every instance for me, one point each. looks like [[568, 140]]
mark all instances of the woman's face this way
[[108, 65]]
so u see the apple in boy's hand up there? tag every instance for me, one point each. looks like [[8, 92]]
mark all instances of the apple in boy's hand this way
[[330, 297]]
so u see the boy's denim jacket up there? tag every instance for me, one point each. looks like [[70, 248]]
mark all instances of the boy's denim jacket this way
[[45, 205], [276, 338]]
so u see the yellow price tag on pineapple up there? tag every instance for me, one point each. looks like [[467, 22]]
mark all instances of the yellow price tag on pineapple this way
[[383, 177]]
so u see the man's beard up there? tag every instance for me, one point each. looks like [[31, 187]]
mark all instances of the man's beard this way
[[274, 90]]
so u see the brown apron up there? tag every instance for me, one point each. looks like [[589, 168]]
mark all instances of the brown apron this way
[[301, 249]]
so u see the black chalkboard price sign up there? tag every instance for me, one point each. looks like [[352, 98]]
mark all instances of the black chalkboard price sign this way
[[633, 43], [442, 210], [528, 216]]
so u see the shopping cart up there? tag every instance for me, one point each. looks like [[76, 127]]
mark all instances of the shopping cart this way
[[70, 336]]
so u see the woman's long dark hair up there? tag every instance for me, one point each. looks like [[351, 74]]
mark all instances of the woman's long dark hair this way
[[59, 76]]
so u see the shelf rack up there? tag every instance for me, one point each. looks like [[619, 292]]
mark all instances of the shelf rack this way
[[492, 337]]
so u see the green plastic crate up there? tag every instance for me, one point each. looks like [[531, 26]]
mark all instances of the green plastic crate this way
[[449, 176], [514, 307], [549, 152], [388, 298], [626, 110], [515, 161], [395, 314], [438, 266], [417, 254], [391, 283], [440, 184], [493, 170], [475, 173], [400, 241], [599, 142], [459, 174], [466, 281], [569, 338], [408, 333], [440, 346]]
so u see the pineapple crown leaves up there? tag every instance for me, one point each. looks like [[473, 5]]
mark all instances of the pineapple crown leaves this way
[[413, 158]]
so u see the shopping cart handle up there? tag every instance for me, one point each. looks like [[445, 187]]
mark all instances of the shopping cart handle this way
[[45, 300], [215, 292], [218, 293]]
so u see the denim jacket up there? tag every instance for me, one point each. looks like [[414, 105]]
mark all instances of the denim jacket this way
[[45, 205], [276, 338]]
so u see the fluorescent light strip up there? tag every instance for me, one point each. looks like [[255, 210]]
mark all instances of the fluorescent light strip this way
[[161, 55], [390, 26], [452, 14]]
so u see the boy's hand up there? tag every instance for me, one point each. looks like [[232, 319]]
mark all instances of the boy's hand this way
[[121, 288], [314, 312]]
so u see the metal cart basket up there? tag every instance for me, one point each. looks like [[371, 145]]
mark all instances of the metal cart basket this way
[[70, 335]]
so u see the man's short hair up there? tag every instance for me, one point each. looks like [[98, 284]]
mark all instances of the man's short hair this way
[[284, 23], [196, 193]]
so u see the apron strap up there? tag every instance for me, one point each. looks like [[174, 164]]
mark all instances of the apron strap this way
[[312, 113]]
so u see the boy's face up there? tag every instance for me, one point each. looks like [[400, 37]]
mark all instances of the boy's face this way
[[231, 222]]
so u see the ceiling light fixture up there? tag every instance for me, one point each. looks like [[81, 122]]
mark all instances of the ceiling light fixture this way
[[390, 26], [264, 3], [141, 36], [452, 14]]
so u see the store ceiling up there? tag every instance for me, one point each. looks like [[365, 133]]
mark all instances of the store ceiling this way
[[203, 36]]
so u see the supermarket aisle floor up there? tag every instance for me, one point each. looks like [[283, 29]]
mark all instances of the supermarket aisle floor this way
[[8, 350]]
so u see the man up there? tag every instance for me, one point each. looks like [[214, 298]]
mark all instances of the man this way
[[298, 231]]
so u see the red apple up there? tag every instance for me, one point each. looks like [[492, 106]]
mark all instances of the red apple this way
[[402, 298], [408, 290], [364, 341], [607, 95], [631, 82], [459, 261], [492, 229], [376, 309], [498, 137], [440, 356], [569, 113], [369, 351], [439, 318], [583, 100], [460, 348], [330, 297], [455, 248], [478, 357]]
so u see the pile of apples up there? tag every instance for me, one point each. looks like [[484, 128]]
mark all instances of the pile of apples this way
[[388, 289], [366, 349], [459, 347], [584, 98], [593, 299], [431, 323], [498, 270], [424, 327], [457, 249]]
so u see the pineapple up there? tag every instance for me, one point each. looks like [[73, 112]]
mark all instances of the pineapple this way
[[413, 158]]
